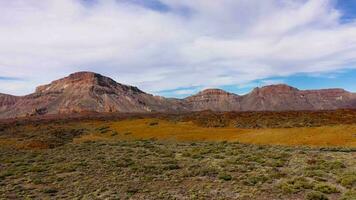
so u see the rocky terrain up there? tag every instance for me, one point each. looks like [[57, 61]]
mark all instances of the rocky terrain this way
[[91, 92], [6, 101]]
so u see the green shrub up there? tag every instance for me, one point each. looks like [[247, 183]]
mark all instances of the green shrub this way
[[325, 165], [326, 188], [103, 129], [315, 173], [6, 174], [255, 179], [349, 195], [172, 167], [37, 169], [225, 177], [348, 180], [316, 196], [295, 185], [50, 190]]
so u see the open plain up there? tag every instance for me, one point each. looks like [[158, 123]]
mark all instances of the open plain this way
[[202, 155]]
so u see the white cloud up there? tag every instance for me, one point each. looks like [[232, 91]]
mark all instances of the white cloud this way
[[209, 43]]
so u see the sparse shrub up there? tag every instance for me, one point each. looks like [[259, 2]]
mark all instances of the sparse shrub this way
[[348, 180], [132, 190], [103, 129], [172, 167], [325, 188], [50, 190], [325, 165], [210, 119], [37, 181], [225, 177], [67, 167], [255, 179], [313, 195], [125, 162], [37, 169], [186, 154], [277, 163], [5, 174], [197, 170], [315, 173], [295, 185], [114, 133], [154, 123], [349, 195]]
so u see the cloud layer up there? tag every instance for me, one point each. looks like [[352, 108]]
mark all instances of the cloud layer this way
[[171, 44]]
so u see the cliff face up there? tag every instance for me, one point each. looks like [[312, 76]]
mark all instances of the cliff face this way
[[87, 91]]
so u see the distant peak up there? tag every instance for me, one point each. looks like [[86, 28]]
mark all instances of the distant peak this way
[[213, 91], [277, 87], [84, 75], [82, 78]]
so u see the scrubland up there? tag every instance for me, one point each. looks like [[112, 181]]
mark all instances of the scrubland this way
[[207, 156]]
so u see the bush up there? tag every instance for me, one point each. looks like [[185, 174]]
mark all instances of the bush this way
[[296, 185], [348, 180], [316, 196], [225, 177], [104, 129], [349, 195], [154, 123], [114, 133], [325, 188], [172, 167], [50, 191], [255, 179]]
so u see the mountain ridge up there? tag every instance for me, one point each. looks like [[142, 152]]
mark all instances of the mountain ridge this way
[[88, 91]]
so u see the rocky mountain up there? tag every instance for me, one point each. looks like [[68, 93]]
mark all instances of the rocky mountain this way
[[213, 99], [283, 97], [87, 91]]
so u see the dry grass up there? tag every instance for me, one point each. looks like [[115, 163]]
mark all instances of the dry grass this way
[[340, 135]]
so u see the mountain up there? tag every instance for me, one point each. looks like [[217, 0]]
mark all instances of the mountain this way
[[91, 92], [87, 91], [283, 97], [213, 99]]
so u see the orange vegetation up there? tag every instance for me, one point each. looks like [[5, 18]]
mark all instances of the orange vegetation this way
[[338, 135]]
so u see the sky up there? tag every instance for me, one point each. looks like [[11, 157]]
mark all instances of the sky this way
[[176, 48]]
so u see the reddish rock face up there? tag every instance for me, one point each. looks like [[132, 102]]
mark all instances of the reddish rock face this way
[[283, 97], [213, 99], [6, 101], [87, 91]]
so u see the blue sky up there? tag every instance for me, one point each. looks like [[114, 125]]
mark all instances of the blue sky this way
[[340, 79], [175, 48], [348, 7]]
